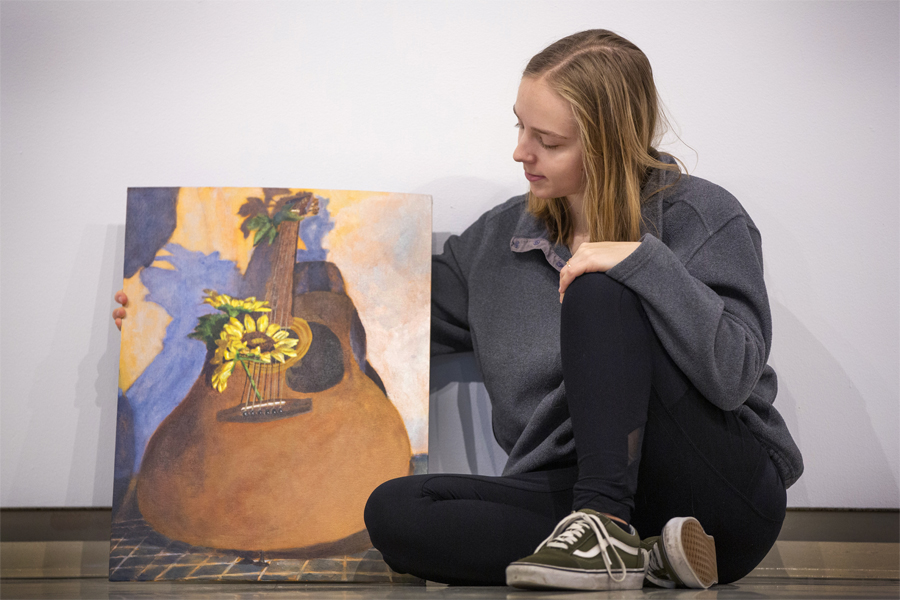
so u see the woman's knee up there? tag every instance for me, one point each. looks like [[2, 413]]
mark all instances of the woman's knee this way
[[381, 508], [598, 305], [586, 291]]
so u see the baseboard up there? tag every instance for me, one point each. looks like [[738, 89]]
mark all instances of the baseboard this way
[[831, 560], [26, 560], [831, 544]]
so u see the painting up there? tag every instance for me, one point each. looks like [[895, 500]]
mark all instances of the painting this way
[[273, 372]]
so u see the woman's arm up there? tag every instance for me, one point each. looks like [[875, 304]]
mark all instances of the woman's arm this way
[[450, 292], [707, 302]]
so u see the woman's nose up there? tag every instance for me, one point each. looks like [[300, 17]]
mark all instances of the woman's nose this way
[[521, 154]]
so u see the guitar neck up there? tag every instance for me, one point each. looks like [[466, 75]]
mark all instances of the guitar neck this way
[[279, 289]]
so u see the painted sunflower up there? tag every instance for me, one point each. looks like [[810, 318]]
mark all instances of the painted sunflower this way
[[250, 341], [251, 304]]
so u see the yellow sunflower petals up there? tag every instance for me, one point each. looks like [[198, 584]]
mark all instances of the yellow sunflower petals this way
[[262, 324], [249, 324], [221, 375]]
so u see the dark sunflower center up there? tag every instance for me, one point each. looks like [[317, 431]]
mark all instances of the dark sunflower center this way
[[255, 339]]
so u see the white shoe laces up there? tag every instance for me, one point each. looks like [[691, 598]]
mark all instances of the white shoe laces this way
[[572, 528]]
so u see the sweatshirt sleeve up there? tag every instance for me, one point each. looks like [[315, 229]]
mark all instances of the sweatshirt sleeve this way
[[707, 302], [449, 294]]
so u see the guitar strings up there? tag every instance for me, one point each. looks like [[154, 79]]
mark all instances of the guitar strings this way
[[267, 377], [276, 302], [272, 382]]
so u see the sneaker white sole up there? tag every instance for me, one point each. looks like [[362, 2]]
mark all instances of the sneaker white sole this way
[[544, 577], [690, 552]]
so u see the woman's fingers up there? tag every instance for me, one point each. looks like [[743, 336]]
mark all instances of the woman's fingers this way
[[120, 313], [594, 257], [569, 272]]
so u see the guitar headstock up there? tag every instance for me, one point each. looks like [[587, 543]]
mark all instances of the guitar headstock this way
[[302, 205]]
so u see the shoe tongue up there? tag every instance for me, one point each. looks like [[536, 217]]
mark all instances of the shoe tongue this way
[[571, 535], [575, 531]]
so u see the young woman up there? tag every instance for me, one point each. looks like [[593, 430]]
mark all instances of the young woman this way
[[619, 316]]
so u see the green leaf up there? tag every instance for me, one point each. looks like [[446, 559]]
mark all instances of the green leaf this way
[[231, 311], [208, 329], [265, 229], [286, 214], [257, 221], [272, 233]]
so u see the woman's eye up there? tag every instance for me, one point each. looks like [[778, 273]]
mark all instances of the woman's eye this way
[[545, 146]]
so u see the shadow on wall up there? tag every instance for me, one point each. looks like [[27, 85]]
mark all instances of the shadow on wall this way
[[841, 451], [460, 435], [98, 378], [94, 337]]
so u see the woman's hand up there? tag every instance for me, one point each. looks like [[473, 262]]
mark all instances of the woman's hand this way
[[119, 313], [593, 257]]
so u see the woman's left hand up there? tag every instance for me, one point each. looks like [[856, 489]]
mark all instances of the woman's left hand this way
[[592, 257]]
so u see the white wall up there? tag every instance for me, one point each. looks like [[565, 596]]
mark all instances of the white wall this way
[[792, 106]]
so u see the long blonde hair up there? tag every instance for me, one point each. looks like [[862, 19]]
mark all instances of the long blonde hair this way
[[609, 83]]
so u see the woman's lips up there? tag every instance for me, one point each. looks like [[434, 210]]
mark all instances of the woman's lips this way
[[531, 177]]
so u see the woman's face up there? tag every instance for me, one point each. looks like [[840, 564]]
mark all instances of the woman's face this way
[[548, 147]]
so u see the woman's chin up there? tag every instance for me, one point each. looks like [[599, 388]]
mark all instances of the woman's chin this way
[[539, 191]]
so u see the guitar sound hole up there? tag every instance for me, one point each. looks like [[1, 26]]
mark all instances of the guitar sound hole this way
[[323, 365]]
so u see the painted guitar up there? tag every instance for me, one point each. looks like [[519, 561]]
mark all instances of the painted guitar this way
[[285, 456]]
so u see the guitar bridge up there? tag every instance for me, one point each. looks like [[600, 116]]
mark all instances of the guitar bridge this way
[[263, 412]]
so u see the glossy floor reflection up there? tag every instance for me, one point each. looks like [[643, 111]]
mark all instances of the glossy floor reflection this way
[[754, 587]]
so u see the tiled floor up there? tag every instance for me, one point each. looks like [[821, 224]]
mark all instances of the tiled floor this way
[[752, 587]]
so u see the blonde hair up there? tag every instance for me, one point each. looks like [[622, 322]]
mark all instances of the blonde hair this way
[[609, 83]]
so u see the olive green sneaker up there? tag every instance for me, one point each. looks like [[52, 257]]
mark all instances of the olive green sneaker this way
[[586, 551], [683, 556]]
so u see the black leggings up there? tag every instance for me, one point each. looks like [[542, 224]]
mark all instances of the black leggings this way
[[649, 448]]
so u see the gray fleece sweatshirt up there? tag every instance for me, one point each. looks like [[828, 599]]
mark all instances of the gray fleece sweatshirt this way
[[698, 272]]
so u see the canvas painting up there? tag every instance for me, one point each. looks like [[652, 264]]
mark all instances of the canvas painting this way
[[273, 372]]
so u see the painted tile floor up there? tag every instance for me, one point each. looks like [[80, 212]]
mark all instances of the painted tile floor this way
[[138, 553], [751, 587]]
